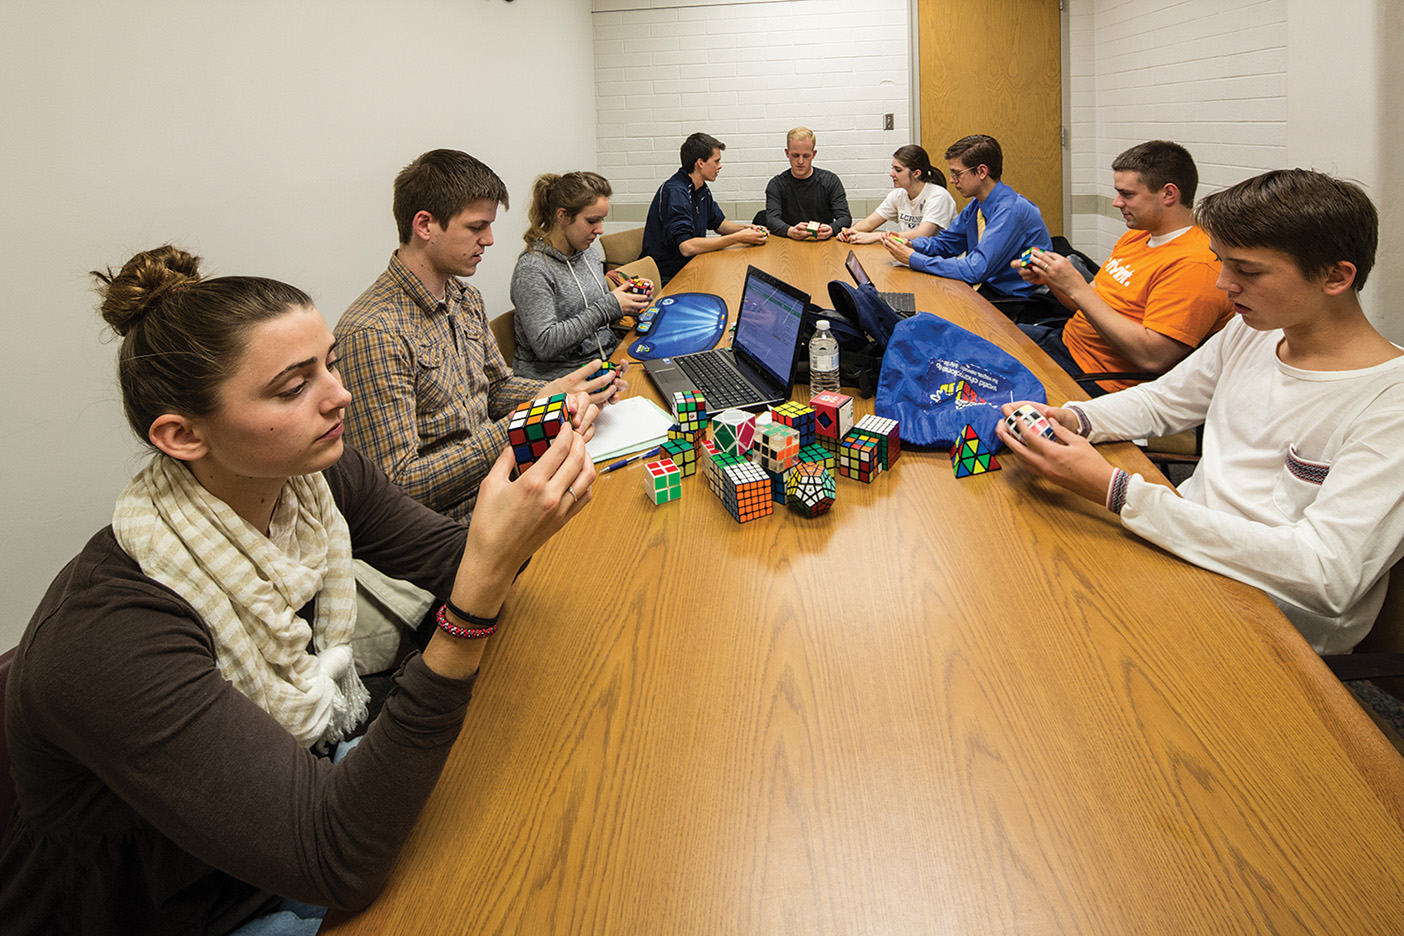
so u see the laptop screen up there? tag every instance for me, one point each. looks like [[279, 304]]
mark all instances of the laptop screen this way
[[767, 327], [855, 269]]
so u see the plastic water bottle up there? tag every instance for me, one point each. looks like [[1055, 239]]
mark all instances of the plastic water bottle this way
[[823, 359]]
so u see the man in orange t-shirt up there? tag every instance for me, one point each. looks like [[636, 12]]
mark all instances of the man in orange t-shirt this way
[[1154, 300]]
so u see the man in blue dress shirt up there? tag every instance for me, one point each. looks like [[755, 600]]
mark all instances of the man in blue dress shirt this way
[[996, 226], [683, 211]]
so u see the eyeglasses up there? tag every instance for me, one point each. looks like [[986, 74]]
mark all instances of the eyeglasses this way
[[957, 173]]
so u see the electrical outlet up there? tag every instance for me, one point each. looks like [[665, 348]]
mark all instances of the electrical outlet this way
[[887, 121]]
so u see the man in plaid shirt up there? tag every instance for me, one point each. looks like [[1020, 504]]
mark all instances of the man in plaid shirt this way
[[431, 391]]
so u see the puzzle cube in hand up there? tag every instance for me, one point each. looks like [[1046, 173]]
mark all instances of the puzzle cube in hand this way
[[798, 417], [682, 453], [609, 368], [833, 415], [970, 456], [690, 410], [809, 489], [778, 446], [885, 431], [745, 491], [662, 481], [733, 431], [858, 457], [532, 427]]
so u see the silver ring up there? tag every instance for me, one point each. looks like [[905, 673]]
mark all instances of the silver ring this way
[[571, 491]]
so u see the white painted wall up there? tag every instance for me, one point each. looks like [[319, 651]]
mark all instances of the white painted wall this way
[[1247, 86], [262, 135], [746, 71]]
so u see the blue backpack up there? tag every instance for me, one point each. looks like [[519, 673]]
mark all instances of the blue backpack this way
[[937, 378]]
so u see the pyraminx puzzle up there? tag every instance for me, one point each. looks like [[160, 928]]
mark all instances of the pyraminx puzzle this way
[[662, 481], [885, 431], [970, 456], [532, 427], [809, 489]]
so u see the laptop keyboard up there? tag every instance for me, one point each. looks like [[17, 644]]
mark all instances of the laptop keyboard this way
[[719, 384]]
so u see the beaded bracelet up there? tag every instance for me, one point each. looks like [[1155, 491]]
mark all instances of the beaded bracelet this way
[[1116, 490], [453, 630]]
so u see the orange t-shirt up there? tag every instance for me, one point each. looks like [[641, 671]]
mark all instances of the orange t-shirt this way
[[1168, 289]]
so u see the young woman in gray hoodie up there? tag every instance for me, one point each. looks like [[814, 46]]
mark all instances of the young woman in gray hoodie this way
[[564, 301]]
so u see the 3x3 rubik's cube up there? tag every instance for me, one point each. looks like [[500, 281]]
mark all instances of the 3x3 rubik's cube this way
[[532, 427]]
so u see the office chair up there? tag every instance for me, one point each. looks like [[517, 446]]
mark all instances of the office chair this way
[[622, 247]]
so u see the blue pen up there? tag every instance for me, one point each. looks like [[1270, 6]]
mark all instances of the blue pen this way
[[615, 466]]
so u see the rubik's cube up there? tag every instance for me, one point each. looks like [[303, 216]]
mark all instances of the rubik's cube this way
[[885, 431], [778, 446], [819, 455], [690, 410], [858, 457], [1026, 258], [693, 437], [682, 454], [777, 483], [833, 415], [532, 427], [609, 368], [715, 465], [970, 456], [812, 228], [662, 481], [745, 491], [733, 431], [798, 417], [809, 489]]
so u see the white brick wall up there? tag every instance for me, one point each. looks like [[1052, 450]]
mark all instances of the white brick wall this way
[[1211, 76], [746, 71]]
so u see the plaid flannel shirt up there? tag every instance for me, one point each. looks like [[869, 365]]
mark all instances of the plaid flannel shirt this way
[[430, 390]]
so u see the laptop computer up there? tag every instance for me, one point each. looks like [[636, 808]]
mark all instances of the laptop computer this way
[[758, 369], [904, 304]]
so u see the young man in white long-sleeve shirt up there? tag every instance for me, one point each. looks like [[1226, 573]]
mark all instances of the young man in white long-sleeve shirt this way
[[1301, 488]]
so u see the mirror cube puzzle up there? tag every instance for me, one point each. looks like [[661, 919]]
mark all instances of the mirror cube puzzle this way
[[809, 489], [970, 456], [858, 457], [532, 427], [798, 417], [683, 455], [690, 410], [662, 481], [833, 415], [733, 431], [745, 491], [886, 432]]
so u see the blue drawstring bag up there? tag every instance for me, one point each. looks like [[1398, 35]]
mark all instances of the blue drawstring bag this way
[[937, 378], [863, 305]]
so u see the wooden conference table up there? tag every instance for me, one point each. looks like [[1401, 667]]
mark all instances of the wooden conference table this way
[[949, 706]]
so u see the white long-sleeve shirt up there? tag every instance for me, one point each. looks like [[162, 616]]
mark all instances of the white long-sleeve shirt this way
[[1300, 491]]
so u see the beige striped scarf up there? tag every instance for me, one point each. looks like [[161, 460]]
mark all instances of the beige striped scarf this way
[[249, 588]]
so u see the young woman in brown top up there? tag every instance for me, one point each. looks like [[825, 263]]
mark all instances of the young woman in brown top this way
[[171, 696]]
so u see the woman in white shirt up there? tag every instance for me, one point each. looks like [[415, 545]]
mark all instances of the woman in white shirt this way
[[918, 203]]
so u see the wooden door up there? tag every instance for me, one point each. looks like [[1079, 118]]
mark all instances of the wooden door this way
[[995, 67]]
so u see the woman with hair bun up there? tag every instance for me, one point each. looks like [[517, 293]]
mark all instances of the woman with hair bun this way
[[174, 700], [918, 204], [564, 300]]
